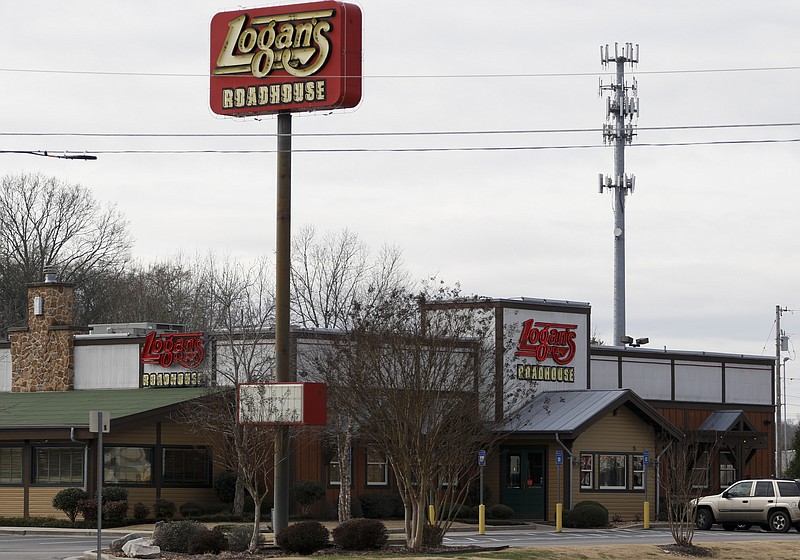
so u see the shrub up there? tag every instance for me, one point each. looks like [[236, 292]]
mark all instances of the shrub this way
[[589, 503], [360, 534], [355, 508], [225, 487], [458, 511], [191, 509], [500, 511], [174, 536], [205, 540], [163, 509], [307, 493], [474, 494], [376, 506], [304, 537], [115, 494], [586, 516], [432, 536], [88, 509], [115, 511], [238, 536], [67, 501], [140, 511]]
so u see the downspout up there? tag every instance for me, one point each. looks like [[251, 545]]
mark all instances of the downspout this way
[[85, 458], [570, 468], [658, 478]]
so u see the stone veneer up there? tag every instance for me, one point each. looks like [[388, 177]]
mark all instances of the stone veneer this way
[[42, 354]]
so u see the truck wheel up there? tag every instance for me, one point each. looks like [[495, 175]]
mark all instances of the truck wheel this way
[[705, 519], [779, 521]]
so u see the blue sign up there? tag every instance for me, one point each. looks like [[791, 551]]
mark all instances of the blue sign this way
[[482, 458], [559, 458], [646, 458]]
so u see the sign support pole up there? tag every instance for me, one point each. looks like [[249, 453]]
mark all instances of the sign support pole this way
[[280, 512]]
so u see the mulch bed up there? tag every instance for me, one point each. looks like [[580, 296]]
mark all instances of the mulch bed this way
[[691, 550]]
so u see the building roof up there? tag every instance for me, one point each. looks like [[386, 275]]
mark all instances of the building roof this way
[[71, 408], [568, 413], [727, 420]]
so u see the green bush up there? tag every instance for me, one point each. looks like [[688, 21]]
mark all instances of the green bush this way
[[88, 509], [238, 536], [191, 509], [360, 534], [589, 503], [173, 536], [140, 511], [586, 516], [376, 506], [304, 537], [163, 509], [500, 511], [205, 540], [115, 494], [307, 493], [115, 511], [225, 487], [34, 521], [67, 500]]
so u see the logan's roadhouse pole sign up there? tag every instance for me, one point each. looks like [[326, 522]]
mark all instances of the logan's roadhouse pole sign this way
[[292, 58]]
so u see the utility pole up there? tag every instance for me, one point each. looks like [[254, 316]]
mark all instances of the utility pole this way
[[780, 340], [622, 109]]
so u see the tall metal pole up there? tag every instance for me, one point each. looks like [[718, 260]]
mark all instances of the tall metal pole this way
[[280, 513], [778, 434], [621, 110]]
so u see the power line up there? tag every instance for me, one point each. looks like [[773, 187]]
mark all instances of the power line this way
[[384, 133], [429, 149], [410, 76]]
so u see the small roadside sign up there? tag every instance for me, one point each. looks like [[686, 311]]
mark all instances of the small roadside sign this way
[[482, 458], [559, 458], [646, 459]]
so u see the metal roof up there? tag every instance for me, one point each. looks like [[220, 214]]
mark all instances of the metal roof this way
[[571, 412], [721, 420], [71, 408]]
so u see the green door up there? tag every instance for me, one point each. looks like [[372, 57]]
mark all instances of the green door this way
[[523, 483]]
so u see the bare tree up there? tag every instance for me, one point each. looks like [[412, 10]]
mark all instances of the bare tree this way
[[329, 274], [45, 221], [684, 472], [242, 303], [416, 382]]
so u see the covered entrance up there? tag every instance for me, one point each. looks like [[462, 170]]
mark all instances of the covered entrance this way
[[524, 481]]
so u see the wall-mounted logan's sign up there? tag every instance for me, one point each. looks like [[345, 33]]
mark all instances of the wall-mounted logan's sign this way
[[300, 57], [546, 347], [167, 356]]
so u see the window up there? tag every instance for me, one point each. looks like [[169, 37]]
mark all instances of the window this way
[[187, 466], [377, 469], [740, 490], [727, 472], [700, 472], [638, 472], [612, 472], [10, 465], [58, 465], [128, 465], [335, 470], [587, 471], [513, 471], [789, 489], [764, 489]]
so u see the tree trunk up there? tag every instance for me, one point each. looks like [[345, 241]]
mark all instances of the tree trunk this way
[[238, 498], [345, 495], [256, 527]]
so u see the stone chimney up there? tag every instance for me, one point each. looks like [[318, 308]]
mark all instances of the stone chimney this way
[[42, 354]]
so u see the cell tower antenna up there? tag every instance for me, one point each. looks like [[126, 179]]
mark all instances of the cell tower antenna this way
[[622, 112]]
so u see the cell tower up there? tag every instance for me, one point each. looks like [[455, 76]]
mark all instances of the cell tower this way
[[622, 110]]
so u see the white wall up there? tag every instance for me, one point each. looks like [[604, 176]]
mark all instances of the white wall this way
[[5, 370], [107, 366]]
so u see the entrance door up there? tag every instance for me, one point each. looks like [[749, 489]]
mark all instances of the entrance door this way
[[523, 484]]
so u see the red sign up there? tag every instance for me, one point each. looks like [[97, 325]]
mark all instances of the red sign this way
[[300, 57], [542, 340], [187, 349]]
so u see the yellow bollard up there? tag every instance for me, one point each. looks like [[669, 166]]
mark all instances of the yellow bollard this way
[[481, 519], [431, 514], [647, 515], [559, 512]]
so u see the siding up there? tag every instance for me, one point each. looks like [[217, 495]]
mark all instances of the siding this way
[[41, 502], [11, 501]]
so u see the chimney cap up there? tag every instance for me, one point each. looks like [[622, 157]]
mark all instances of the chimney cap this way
[[50, 274]]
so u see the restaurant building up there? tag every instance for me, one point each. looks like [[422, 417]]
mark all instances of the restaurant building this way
[[594, 430]]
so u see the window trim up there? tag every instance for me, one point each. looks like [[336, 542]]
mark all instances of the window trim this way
[[335, 460], [643, 471], [624, 476], [21, 450], [384, 462], [34, 468], [209, 467], [587, 468]]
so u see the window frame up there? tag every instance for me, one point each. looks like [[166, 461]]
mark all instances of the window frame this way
[[329, 468], [385, 467], [208, 467], [623, 477], [74, 451], [637, 460], [587, 471], [127, 482], [11, 463]]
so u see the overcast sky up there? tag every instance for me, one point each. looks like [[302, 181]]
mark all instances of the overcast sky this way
[[712, 232]]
